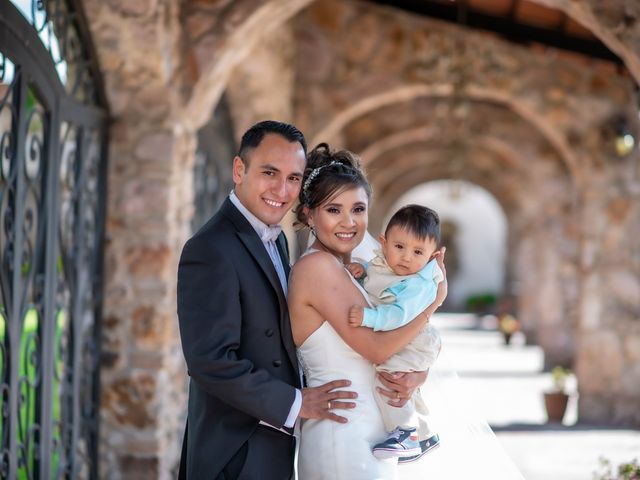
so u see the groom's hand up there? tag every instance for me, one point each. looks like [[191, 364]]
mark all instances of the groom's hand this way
[[319, 402], [401, 385]]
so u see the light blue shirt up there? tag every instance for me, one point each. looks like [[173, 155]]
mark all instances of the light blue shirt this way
[[412, 296]]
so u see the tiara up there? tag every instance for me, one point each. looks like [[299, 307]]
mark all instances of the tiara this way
[[314, 173]]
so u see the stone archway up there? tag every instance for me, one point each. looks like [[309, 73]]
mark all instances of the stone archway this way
[[412, 92], [500, 169], [613, 23], [217, 55], [350, 74]]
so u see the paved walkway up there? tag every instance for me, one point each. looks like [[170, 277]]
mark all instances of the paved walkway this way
[[505, 384]]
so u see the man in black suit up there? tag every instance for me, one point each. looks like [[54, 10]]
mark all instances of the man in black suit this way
[[245, 391]]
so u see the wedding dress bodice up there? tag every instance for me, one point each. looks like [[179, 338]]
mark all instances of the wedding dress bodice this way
[[330, 450]]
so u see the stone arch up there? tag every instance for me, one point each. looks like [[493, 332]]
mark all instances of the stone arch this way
[[423, 133], [270, 15], [575, 103], [405, 176], [236, 47], [411, 92], [553, 324], [618, 37]]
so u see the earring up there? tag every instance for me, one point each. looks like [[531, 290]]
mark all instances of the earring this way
[[312, 230]]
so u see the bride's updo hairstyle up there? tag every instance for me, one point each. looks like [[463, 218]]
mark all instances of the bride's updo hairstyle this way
[[328, 173]]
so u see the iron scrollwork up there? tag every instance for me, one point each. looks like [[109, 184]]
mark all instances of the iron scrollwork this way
[[51, 223]]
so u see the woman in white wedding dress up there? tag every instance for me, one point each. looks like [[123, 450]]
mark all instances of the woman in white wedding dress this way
[[334, 204]]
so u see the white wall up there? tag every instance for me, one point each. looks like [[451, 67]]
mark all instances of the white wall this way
[[481, 234]]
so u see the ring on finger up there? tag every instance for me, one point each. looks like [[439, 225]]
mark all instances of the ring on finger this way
[[329, 405], [397, 395]]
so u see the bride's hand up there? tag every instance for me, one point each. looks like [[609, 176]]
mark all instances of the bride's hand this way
[[401, 385], [319, 402]]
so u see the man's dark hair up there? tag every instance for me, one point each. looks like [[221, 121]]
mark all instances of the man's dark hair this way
[[418, 220], [253, 137]]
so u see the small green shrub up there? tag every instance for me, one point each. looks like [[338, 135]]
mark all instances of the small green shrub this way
[[481, 302], [625, 471]]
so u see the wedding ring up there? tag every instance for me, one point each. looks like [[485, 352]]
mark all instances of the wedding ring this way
[[329, 405]]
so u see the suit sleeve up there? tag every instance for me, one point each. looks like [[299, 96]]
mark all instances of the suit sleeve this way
[[209, 316], [412, 297]]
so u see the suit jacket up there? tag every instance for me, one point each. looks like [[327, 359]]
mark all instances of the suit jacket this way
[[236, 338]]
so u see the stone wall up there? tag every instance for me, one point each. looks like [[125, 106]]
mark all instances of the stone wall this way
[[143, 376]]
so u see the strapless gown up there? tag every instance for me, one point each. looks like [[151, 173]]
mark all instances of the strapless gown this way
[[335, 451], [331, 450]]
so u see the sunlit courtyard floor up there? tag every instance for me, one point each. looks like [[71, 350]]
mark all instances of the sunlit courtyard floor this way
[[505, 385]]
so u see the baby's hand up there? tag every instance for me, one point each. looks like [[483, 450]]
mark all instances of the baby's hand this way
[[356, 315], [355, 269]]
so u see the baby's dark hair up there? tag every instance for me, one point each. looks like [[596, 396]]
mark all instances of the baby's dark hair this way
[[328, 172], [418, 220]]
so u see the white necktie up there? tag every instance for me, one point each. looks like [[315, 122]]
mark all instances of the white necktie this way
[[270, 233]]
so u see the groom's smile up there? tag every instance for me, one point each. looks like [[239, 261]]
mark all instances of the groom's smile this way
[[273, 203]]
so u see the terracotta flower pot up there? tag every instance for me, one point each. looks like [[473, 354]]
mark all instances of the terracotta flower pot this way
[[556, 405]]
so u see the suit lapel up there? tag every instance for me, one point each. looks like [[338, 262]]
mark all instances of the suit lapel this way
[[254, 245], [285, 323], [260, 255]]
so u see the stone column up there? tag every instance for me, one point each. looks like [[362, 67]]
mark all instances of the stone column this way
[[143, 377], [608, 355], [143, 380]]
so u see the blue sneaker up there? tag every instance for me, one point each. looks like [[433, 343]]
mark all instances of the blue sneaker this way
[[399, 443], [426, 446]]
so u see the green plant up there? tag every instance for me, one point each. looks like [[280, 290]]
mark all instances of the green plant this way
[[625, 471], [559, 375], [481, 302]]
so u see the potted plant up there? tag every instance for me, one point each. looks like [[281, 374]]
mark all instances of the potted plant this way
[[556, 400], [480, 304]]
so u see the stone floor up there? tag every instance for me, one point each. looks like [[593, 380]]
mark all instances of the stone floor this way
[[505, 385]]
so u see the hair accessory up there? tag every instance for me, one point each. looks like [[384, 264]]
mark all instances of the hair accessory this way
[[314, 173]]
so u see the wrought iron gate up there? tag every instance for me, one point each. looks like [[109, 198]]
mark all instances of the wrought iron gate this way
[[52, 191]]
